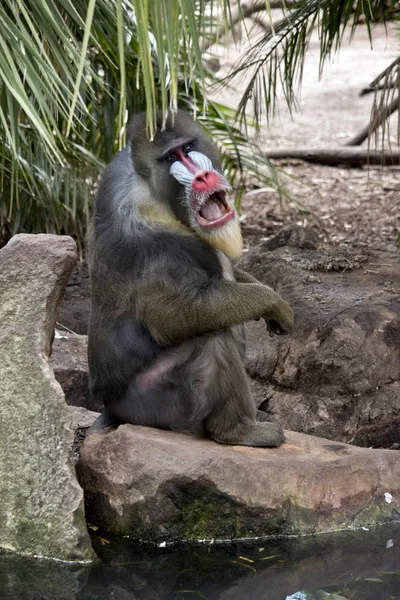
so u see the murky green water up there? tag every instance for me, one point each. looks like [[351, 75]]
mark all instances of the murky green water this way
[[362, 565]]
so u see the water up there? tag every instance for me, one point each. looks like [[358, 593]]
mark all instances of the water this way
[[358, 565]]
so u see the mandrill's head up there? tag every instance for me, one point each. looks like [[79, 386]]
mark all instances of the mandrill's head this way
[[182, 166]]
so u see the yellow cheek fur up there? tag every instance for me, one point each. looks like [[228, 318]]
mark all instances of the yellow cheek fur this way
[[155, 214]]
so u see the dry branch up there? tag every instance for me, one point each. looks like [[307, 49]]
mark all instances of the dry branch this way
[[242, 11], [378, 119], [377, 88], [352, 157]]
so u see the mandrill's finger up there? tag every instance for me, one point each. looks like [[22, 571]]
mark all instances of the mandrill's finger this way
[[275, 328]]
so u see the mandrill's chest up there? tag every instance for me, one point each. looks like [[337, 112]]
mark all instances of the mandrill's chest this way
[[226, 266]]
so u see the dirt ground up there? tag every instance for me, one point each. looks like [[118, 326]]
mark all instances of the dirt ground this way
[[352, 208]]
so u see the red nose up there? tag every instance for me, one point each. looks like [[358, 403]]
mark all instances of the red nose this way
[[205, 181]]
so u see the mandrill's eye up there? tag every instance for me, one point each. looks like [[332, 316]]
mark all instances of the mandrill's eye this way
[[171, 158], [186, 149]]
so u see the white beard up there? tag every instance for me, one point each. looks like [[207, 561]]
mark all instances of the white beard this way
[[227, 238]]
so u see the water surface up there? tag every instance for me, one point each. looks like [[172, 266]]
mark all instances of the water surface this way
[[356, 565]]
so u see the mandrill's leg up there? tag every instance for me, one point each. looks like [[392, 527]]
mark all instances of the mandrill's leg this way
[[233, 417], [102, 422], [252, 433], [245, 431]]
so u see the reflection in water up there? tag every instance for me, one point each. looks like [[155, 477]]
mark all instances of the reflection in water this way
[[356, 565]]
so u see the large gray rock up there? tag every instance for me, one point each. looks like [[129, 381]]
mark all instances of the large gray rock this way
[[41, 506], [163, 486], [81, 417], [337, 375]]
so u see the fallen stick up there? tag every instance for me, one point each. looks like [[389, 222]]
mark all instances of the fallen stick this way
[[243, 11], [380, 117], [377, 88], [349, 156]]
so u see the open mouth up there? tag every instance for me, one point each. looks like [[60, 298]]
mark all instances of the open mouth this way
[[215, 212]]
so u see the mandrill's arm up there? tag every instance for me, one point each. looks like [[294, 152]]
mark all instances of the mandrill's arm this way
[[273, 325], [175, 312], [243, 277]]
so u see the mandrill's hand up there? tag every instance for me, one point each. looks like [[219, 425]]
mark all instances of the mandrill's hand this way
[[280, 322]]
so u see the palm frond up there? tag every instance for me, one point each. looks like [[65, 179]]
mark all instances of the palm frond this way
[[275, 62], [386, 100], [70, 74]]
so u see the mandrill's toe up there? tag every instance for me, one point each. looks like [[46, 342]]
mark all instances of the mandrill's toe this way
[[261, 416]]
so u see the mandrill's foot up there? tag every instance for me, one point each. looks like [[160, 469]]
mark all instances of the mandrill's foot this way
[[261, 416], [254, 434], [103, 422]]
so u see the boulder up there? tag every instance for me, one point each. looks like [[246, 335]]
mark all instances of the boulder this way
[[161, 486], [70, 364], [81, 417], [41, 508], [74, 309], [337, 375]]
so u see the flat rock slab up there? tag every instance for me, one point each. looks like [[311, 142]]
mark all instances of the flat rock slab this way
[[41, 506], [81, 417], [160, 486]]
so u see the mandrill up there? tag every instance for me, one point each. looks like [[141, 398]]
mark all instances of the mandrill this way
[[168, 305]]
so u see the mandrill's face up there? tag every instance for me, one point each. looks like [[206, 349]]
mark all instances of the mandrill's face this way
[[211, 215], [205, 188], [182, 168]]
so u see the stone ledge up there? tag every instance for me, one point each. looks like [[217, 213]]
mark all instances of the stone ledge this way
[[156, 486]]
